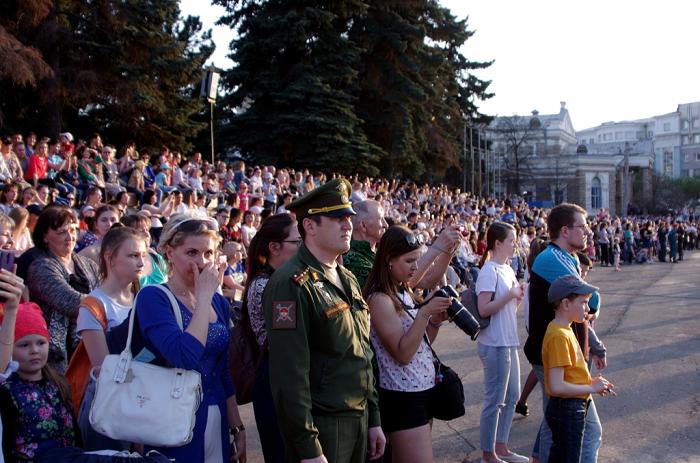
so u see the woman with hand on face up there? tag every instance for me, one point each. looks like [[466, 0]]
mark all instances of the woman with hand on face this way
[[190, 246], [406, 369]]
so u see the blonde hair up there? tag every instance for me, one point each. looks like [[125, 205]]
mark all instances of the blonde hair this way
[[180, 226]]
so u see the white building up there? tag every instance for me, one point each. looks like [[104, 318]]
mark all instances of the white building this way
[[674, 138], [558, 164]]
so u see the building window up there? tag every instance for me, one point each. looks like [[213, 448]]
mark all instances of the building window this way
[[696, 138], [696, 123], [558, 196], [667, 126], [668, 161], [697, 156], [650, 134], [596, 193], [686, 124], [607, 136]]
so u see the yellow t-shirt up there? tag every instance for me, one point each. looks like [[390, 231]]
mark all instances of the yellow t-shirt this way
[[561, 349]]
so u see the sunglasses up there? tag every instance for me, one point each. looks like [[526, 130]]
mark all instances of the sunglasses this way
[[415, 240], [190, 226]]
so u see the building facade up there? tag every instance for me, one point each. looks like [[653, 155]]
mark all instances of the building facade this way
[[674, 139], [612, 169]]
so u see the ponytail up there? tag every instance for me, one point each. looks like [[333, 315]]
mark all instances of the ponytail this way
[[485, 257], [497, 231]]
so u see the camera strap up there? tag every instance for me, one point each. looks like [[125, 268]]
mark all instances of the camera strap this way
[[436, 359]]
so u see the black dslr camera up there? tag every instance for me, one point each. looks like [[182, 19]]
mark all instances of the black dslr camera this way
[[458, 313]]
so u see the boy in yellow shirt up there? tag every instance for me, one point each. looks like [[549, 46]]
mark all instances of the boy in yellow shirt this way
[[567, 380]]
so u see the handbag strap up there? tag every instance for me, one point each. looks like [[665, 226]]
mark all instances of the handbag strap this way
[[126, 356]]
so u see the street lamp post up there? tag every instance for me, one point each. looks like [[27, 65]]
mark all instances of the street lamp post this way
[[464, 156], [209, 89]]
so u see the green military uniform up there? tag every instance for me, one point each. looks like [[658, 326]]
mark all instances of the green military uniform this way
[[320, 357], [359, 260]]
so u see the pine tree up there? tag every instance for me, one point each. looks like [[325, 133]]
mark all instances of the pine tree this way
[[147, 67], [127, 68], [292, 91], [416, 86]]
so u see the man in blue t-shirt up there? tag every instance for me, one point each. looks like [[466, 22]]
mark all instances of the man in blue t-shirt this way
[[568, 231]]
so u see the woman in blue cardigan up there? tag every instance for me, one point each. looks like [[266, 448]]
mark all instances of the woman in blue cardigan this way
[[190, 247]]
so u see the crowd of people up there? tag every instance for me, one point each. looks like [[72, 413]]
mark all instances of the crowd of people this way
[[300, 259]]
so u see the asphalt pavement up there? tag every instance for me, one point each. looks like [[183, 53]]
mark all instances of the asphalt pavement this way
[[650, 325]]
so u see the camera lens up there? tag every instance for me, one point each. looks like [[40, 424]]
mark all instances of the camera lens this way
[[459, 314]]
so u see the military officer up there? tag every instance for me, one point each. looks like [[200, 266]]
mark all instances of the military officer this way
[[318, 330]]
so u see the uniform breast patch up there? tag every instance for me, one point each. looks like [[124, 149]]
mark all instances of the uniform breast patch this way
[[336, 309], [284, 315]]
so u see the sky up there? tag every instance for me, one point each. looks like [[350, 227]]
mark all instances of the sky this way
[[609, 60]]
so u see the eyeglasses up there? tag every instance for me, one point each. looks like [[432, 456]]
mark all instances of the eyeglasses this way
[[415, 240], [297, 242], [583, 227]]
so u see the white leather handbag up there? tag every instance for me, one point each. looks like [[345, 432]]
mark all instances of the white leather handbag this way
[[142, 403]]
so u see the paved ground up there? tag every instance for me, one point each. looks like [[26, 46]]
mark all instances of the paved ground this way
[[650, 324]]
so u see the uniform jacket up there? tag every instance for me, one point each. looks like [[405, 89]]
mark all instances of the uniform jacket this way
[[320, 355]]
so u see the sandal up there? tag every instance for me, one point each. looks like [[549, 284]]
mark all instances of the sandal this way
[[521, 409]]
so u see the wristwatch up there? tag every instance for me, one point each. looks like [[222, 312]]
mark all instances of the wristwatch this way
[[235, 430]]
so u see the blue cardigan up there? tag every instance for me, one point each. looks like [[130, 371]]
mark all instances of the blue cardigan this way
[[179, 349]]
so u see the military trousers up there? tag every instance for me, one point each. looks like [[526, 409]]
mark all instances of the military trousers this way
[[343, 438]]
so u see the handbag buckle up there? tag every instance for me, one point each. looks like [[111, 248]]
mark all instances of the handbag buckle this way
[[122, 368]]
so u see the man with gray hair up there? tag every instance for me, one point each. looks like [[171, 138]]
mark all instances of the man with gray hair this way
[[368, 227]]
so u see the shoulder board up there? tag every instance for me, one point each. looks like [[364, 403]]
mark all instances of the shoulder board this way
[[314, 275], [301, 277]]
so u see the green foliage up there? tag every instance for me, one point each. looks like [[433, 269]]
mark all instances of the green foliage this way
[[674, 193], [349, 85], [126, 68], [291, 95]]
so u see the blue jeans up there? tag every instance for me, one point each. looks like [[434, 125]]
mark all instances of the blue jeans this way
[[592, 436], [567, 420], [501, 391]]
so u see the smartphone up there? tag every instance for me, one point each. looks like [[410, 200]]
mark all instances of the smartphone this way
[[7, 261]]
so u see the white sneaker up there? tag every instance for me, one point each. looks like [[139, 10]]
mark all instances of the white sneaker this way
[[514, 458]]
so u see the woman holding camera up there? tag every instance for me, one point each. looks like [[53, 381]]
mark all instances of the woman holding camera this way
[[398, 335], [499, 295]]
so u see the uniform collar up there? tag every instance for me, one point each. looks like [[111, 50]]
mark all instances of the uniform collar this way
[[317, 270]]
